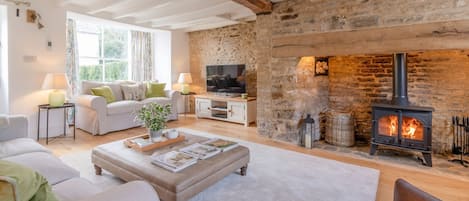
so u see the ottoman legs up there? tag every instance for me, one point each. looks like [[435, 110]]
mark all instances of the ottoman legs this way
[[98, 170], [244, 170]]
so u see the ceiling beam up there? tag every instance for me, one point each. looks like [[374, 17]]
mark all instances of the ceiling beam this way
[[141, 6], [257, 6], [218, 10], [102, 5], [450, 35], [178, 9]]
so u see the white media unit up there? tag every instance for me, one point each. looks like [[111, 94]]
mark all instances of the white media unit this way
[[237, 110]]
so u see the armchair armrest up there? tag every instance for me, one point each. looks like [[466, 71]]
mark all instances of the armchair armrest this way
[[14, 126], [171, 94], [135, 190], [9, 181], [95, 102]]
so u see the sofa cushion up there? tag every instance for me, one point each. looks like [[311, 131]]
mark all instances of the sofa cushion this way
[[67, 190], [159, 100], [104, 91], [47, 165], [155, 90], [20, 146], [133, 91], [29, 184], [115, 87], [123, 107]]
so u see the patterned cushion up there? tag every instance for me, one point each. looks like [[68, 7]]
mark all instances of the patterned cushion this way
[[133, 91]]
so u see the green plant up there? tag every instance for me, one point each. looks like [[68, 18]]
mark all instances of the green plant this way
[[153, 116]]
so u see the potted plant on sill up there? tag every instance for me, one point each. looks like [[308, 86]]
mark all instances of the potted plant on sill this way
[[153, 116]]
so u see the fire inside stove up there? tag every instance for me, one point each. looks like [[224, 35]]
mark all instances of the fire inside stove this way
[[411, 128]]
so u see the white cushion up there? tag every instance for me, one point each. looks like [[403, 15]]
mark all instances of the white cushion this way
[[47, 165], [20, 146], [133, 91], [75, 189], [123, 107], [159, 100]]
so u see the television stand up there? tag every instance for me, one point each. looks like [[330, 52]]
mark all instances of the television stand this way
[[231, 109]]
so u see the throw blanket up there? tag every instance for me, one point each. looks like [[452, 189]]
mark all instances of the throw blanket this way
[[4, 121]]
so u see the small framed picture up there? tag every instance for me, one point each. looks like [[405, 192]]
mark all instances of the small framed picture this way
[[321, 66]]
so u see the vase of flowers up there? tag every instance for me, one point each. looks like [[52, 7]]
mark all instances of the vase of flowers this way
[[153, 116]]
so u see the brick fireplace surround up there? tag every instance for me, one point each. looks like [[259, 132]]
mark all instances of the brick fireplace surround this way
[[287, 89]]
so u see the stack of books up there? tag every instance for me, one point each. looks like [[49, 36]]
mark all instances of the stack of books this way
[[176, 161]]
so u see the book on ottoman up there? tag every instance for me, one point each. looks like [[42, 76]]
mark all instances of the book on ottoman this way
[[174, 161], [224, 145], [201, 151]]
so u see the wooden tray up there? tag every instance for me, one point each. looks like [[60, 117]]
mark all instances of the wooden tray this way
[[154, 145]]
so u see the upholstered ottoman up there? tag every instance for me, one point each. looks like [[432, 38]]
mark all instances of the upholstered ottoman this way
[[129, 165]]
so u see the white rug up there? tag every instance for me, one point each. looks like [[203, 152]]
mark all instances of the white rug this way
[[273, 175]]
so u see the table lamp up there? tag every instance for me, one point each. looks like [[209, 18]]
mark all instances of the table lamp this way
[[56, 82], [185, 79]]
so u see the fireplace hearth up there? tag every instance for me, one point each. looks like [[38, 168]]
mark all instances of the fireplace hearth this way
[[398, 124]]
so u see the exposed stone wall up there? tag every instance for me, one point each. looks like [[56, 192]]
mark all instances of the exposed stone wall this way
[[311, 16], [437, 79], [228, 45], [354, 82]]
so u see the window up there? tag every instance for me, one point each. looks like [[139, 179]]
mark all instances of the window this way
[[103, 52]]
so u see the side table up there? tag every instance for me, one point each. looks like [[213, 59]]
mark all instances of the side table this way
[[186, 101], [47, 107]]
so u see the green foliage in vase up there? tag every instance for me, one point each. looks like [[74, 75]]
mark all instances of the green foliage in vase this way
[[153, 116]]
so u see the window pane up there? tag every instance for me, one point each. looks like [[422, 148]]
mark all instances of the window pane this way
[[88, 45], [115, 43], [91, 69], [116, 70]]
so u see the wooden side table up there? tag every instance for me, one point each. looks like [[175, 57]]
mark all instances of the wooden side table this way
[[186, 101], [47, 107]]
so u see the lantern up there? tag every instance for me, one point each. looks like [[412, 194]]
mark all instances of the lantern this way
[[307, 132]]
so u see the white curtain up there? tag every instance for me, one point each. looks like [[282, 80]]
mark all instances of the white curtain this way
[[72, 57], [142, 56]]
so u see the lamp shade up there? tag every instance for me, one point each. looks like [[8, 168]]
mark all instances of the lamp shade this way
[[185, 78], [55, 81]]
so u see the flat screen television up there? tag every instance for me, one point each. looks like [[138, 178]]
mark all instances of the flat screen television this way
[[226, 78]]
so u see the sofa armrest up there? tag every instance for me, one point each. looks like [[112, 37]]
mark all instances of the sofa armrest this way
[[14, 126], [135, 190], [95, 102], [171, 94]]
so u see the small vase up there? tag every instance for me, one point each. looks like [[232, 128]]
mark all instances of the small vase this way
[[155, 136]]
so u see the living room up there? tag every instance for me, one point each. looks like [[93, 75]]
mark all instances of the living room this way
[[383, 84]]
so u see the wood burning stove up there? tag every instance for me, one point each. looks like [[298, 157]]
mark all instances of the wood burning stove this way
[[398, 124]]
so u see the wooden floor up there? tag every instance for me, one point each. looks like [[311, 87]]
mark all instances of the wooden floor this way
[[443, 186]]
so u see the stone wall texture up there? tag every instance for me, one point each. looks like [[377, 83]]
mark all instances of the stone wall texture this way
[[228, 45], [287, 88]]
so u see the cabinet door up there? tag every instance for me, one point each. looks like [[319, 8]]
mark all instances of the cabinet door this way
[[202, 107], [237, 111]]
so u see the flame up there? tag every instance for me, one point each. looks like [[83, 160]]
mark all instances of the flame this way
[[393, 125], [409, 127]]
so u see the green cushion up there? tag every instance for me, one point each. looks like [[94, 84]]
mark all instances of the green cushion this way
[[30, 185], [155, 90], [104, 91]]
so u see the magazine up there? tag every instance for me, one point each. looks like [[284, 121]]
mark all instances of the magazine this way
[[174, 161], [201, 151], [224, 145]]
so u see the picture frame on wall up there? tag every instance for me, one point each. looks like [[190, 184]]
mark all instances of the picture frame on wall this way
[[321, 66]]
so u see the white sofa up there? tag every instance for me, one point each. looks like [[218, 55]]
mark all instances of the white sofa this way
[[98, 118], [65, 181]]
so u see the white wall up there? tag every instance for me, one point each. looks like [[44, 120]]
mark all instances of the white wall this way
[[179, 60], [162, 47], [30, 58]]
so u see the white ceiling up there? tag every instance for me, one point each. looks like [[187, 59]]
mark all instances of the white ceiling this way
[[187, 15]]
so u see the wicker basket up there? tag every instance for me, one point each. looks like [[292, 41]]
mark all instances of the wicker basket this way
[[340, 129]]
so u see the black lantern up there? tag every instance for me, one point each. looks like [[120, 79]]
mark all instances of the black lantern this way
[[307, 132]]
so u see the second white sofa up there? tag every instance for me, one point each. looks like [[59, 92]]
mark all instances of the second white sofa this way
[[97, 117]]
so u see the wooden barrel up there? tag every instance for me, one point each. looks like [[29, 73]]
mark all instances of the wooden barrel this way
[[340, 129]]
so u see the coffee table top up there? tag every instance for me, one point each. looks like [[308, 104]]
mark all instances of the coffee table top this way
[[139, 163]]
